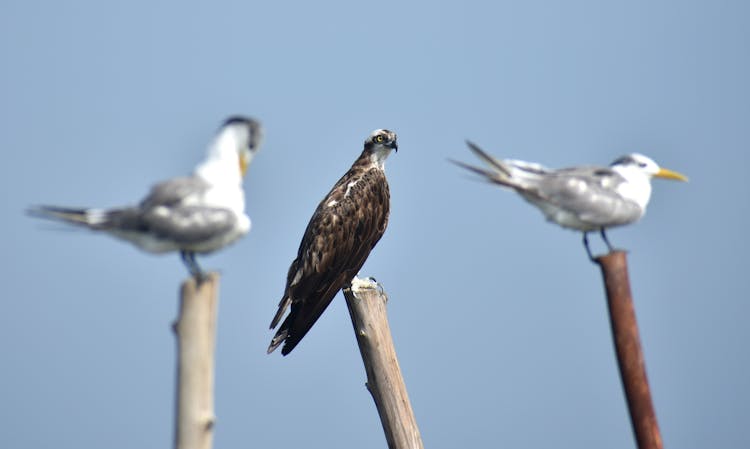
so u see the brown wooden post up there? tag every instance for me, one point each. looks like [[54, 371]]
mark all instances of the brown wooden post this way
[[367, 306], [195, 330], [628, 347]]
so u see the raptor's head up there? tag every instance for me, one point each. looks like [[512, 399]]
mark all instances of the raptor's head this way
[[380, 143]]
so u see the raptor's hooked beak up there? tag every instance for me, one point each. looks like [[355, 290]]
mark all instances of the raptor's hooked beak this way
[[669, 174]]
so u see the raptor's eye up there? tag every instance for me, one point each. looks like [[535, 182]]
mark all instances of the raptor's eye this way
[[379, 138], [642, 164]]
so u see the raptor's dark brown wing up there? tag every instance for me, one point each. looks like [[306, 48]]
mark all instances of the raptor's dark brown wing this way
[[345, 227]]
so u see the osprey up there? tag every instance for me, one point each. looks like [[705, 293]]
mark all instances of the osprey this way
[[200, 213], [584, 198], [340, 235]]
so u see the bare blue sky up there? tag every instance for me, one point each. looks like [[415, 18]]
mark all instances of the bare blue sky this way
[[498, 317]]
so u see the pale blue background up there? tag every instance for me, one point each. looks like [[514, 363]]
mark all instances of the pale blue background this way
[[498, 317]]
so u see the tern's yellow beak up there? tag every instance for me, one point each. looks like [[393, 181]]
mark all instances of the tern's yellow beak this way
[[669, 174], [244, 162]]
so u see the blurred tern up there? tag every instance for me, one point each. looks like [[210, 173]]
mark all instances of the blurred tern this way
[[585, 198], [200, 213]]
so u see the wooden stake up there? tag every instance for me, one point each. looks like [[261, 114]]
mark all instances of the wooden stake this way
[[195, 330], [628, 347], [366, 301]]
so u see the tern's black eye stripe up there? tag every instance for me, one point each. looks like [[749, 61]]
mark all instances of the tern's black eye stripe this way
[[622, 160]]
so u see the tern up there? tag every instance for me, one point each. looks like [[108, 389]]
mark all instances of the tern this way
[[200, 213], [584, 198]]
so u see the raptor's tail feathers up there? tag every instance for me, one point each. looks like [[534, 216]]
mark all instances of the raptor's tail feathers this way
[[278, 339], [283, 331], [283, 305]]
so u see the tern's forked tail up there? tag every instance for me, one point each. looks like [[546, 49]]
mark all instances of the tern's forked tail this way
[[90, 218], [497, 173]]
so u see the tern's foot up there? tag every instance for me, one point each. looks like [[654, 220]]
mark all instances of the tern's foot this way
[[616, 250], [199, 277], [205, 276]]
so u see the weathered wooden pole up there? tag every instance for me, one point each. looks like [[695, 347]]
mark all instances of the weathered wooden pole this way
[[366, 301], [628, 347], [195, 330]]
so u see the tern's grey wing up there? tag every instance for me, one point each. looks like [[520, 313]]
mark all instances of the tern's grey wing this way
[[168, 213], [174, 191], [589, 193], [187, 225]]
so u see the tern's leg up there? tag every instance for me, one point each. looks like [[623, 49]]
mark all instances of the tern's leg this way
[[586, 244], [606, 240], [188, 257]]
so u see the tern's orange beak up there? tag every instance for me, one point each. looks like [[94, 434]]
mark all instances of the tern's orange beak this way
[[669, 174], [244, 162]]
